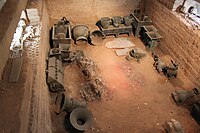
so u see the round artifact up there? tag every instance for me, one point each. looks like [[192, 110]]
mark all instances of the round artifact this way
[[128, 20], [80, 33], [81, 119], [105, 22], [117, 21], [97, 37]]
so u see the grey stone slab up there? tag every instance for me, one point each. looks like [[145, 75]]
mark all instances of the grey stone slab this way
[[119, 43], [15, 69], [122, 52]]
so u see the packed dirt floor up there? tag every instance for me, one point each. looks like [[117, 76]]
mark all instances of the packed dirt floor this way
[[140, 100]]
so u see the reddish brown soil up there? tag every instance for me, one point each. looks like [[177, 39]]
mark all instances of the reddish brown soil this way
[[141, 99], [140, 102], [6, 14], [12, 97]]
